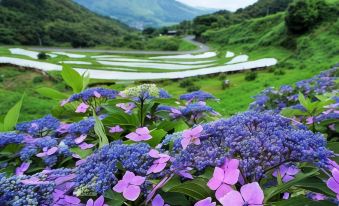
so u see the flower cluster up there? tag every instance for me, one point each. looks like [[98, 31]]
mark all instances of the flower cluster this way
[[261, 141], [98, 173], [286, 96], [92, 93], [197, 96], [40, 127], [145, 91], [11, 138]]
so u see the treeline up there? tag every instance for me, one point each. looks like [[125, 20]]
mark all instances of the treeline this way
[[55, 22], [223, 18]]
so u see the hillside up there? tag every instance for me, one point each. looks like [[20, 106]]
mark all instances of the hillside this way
[[55, 22], [145, 13]]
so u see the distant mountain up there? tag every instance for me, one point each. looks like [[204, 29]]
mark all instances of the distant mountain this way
[[56, 22], [144, 13]]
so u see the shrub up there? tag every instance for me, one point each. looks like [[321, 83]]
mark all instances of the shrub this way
[[186, 83], [193, 88], [279, 72], [302, 15], [42, 56], [251, 76], [38, 79]]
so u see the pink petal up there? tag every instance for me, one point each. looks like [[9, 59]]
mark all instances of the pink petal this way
[[150, 170], [335, 174], [97, 94], [142, 131], [214, 183], [100, 201], [222, 191], [132, 192], [138, 180], [286, 196], [205, 202], [128, 176], [146, 137], [185, 142], [42, 154], [232, 198], [82, 108], [61, 180], [333, 185], [159, 167], [196, 131], [90, 202], [52, 151], [80, 139], [71, 199], [252, 193], [134, 137], [196, 141], [85, 146], [231, 164], [231, 176], [287, 178], [219, 173], [158, 201], [120, 186], [164, 159]]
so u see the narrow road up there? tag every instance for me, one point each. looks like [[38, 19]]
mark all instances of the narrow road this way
[[201, 48]]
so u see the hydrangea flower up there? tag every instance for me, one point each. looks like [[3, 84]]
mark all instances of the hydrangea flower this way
[[333, 182], [93, 93], [11, 138], [82, 108], [191, 136], [127, 107], [98, 202], [224, 177], [129, 186], [250, 194], [160, 163], [22, 168], [140, 134], [40, 127], [286, 173], [197, 96], [205, 202], [142, 92], [116, 129], [158, 201]]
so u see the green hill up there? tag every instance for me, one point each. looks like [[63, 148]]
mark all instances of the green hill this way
[[145, 13], [55, 22]]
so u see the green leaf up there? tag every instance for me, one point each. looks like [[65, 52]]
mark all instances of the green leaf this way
[[316, 185], [288, 112], [12, 116], [334, 146], [302, 201], [100, 131], [175, 199], [51, 93], [114, 199], [196, 189], [273, 191], [82, 153], [157, 136], [72, 78], [174, 181], [85, 80]]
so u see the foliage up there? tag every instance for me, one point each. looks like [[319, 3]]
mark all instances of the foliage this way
[[251, 76], [42, 56]]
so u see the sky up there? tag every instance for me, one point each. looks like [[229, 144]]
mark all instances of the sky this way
[[230, 5]]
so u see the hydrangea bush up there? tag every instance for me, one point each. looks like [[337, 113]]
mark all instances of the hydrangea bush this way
[[141, 146]]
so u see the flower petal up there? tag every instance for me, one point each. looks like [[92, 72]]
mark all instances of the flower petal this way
[[120, 186], [252, 193], [100, 201], [232, 198], [222, 191], [132, 192], [214, 183], [158, 201], [333, 185], [138, 180], [231, 176]]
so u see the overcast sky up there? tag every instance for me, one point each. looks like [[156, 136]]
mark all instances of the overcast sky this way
[[231, 5]]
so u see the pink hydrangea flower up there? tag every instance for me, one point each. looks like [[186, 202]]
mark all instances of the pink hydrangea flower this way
[[116, 129], [191, 136], [160, 163], [64, 102], [22, 169], [287, 173], [310, 120], [129, 186], [127, 107], [47, 152], [97, 94], [224, 177], [80, 139], [333, 182], [205, 202], [141, 134], [98, 202], [85, 146], [250, 194], [158, 201], [82, 108]]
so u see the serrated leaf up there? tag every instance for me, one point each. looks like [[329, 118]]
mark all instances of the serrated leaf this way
[[72, 78], [51, 93], [12, 116]]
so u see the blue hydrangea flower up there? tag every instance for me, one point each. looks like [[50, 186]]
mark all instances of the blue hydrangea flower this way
[[10, 138], [197, 96], [40, 127], [88, 94]]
